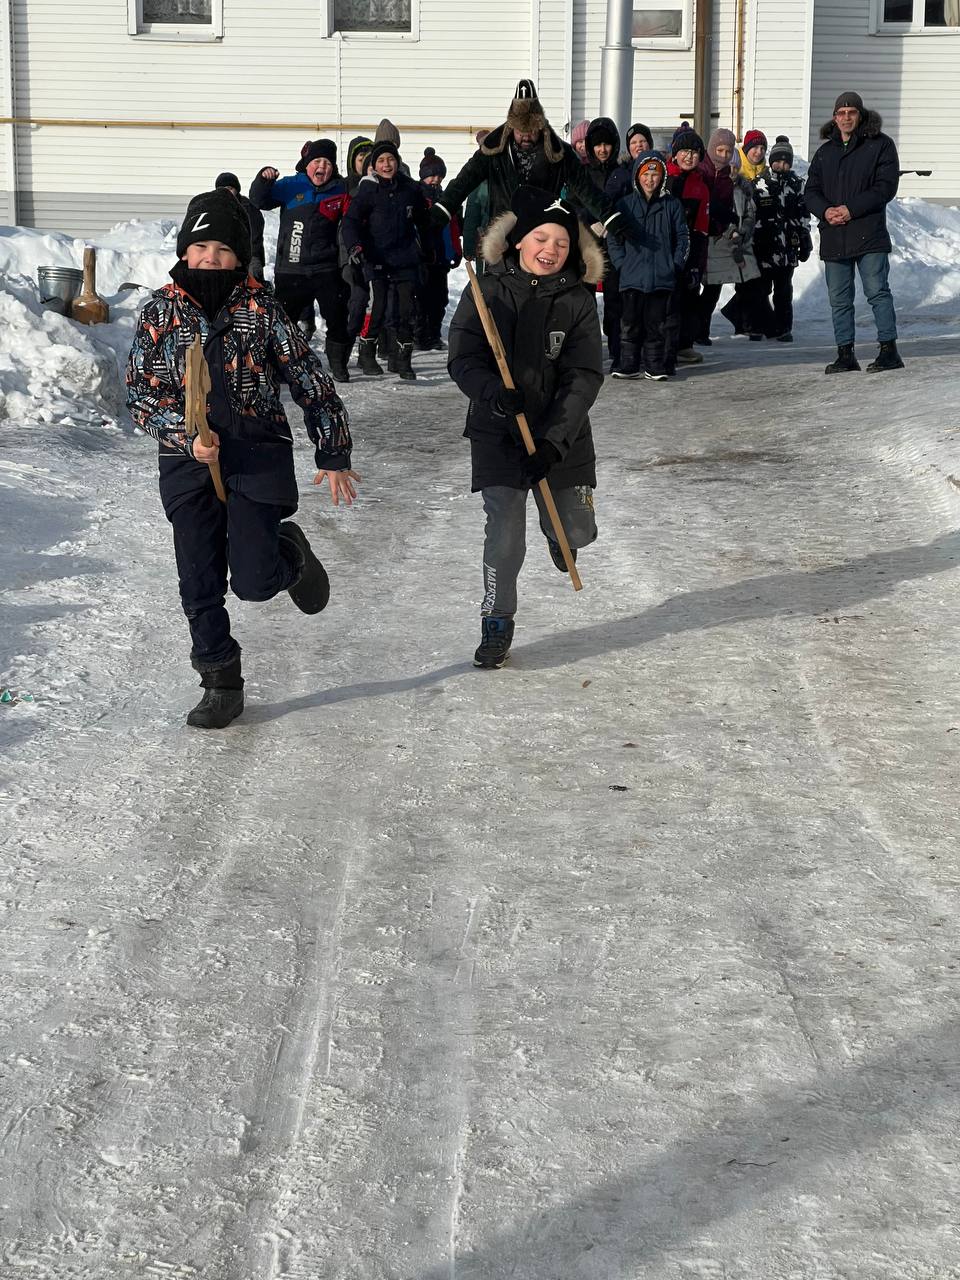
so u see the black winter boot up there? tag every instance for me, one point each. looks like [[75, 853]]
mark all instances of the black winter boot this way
[[368, 358], [887, 358], [494, 648], [338, 353], [846, 361], [311, 591], [404, 355], [222, 699]]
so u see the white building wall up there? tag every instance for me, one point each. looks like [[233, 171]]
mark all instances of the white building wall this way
[[777, 96], [913, 81], [273, 66], [8, 202]]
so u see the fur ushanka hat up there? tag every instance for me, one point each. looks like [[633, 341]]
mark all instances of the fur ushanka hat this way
[[526, 114]]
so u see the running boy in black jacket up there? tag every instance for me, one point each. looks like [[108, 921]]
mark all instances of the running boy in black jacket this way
[[250, 345], [539, 261]]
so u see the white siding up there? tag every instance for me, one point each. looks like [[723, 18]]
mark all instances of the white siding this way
[[778, 63], [8, 203], [272, 66], [912, 81]]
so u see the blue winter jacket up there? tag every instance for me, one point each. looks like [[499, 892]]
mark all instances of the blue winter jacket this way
[[654, 249], [388, 220], [309, 220]]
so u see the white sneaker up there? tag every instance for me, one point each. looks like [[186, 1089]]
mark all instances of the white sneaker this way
[[623, 373], [655, 377]]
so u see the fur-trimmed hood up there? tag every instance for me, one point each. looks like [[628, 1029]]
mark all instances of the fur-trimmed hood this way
[[869, 127], [498, 139], [494, 246]]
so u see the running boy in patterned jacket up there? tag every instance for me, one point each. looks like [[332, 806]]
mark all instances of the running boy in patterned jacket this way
[[250, 345]]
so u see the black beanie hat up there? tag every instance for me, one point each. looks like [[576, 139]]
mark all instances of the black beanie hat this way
[[383, 149], [644, 131], [781, 150], [322, 149], [534, 207], [849, 100], [687, 139], [216, 215], [431, 166], [228, 180]]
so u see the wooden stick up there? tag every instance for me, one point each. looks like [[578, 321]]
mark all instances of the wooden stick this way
[[196, 387], [496, 346]]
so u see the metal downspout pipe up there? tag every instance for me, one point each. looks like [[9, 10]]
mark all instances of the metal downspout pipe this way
[[616, 65], [703, 78]]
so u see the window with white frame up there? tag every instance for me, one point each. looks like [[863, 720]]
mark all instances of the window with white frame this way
[[177, 19], [388, 16], [660, 24], [902, 17]]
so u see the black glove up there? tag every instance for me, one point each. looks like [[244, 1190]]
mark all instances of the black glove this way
[[535, 465], [692, 278], [355, 257], [438, 216], [736, 253], [806, 246], [510, 401]]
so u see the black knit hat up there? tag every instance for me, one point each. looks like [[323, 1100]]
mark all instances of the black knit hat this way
[[382, 149], [849, 100], [534, 207], [228, 180], [216, 215], [781, 150], [431, 166], [687, 139], [321, 149], [643, 131]]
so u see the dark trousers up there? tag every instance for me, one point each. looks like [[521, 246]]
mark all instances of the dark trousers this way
[[748, 310], [358, 300], [403, 290], [709, 297], [682, 324], [432, 298], [612, 313], [778, 282], [641, 330], [327, 289], [212, 539]]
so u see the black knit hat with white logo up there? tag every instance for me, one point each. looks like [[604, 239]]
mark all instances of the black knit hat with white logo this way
[[216, 215], [534, 207]]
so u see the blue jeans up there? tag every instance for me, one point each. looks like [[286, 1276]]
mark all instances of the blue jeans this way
[[874, 270]]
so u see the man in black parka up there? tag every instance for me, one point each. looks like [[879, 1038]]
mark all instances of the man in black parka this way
[[524, 150], [853, 177]]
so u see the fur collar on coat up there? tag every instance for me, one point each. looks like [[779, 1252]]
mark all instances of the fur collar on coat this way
[[869, 127], [494, 246]]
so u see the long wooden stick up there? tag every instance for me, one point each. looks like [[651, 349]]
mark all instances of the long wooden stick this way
[[196, 389], [496, 346]]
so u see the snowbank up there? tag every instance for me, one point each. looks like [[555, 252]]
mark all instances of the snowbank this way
[[52, 370]]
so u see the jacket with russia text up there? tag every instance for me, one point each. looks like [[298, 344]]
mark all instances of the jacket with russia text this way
[[309, 220]]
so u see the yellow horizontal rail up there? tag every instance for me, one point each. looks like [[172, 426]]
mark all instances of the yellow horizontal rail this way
[[310, 127]]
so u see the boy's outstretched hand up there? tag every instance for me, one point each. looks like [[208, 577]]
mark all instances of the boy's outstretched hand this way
[[342, 485]]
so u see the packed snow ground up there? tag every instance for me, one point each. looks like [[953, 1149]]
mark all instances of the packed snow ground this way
[[639, 958]]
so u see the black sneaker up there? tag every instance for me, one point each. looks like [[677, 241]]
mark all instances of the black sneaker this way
[[556, 555], [216, 709], [494, 648], [311, 592], [784, 337]]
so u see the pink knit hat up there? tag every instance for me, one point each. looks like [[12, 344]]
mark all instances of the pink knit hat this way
[[579, 133]]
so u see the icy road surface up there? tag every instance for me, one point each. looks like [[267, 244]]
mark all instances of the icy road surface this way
[[638, 959]]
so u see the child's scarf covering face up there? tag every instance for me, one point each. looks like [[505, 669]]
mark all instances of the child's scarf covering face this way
[[544, 250]]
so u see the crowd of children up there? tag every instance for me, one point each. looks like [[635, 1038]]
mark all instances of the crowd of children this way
[[372, 250]]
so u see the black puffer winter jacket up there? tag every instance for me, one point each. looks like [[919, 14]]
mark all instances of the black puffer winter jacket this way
[[551, 336], [864, 175], [388, 219]]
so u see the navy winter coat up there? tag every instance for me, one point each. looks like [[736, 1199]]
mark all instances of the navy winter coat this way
[[864, 175], [389, 221], [309, 220], [655, 251]]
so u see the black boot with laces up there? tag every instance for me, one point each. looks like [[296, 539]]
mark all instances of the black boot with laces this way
[[846, 361], [494, 648]]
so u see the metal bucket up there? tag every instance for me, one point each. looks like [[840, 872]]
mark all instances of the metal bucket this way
[[63, 283]]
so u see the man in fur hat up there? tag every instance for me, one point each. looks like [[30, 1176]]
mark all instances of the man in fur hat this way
[[852, 179], [525, 150]]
